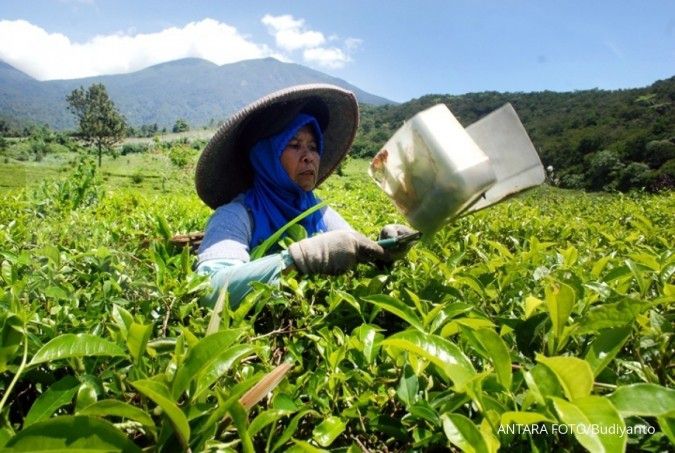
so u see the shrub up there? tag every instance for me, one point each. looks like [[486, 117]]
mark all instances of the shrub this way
[[635, 175], [40, 147], [181, 126], [664, 179], [137, 178], [81, 188], [573, 181], [180, 155], [134, 148], [659, 152], [603, 169]]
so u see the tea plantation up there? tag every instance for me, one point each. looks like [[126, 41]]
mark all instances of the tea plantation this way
[[545, 322]]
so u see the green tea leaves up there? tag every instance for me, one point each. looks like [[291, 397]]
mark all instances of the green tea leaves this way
[[69, 345], [57, 395], [595, 423], [462, 433], [605, 347], [328, 430], [647, 400], [396, 307], [560, 300], [439, 351], [160, 394], [574, 375], [72, 433]]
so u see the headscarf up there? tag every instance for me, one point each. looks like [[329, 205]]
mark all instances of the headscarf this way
[[275, 198]]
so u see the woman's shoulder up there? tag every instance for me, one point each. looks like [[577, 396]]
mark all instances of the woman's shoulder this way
[[234, 207], [233, 212]]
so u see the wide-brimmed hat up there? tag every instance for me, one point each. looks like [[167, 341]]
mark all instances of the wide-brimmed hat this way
[[224, 171]]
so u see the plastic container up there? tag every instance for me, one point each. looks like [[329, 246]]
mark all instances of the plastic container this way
[[501, 136], [432, 169]]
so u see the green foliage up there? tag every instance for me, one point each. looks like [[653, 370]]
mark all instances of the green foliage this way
[[100, 123], [81, 189], [553, 308], [181, 126], [181, 155], [133, 148], [568, 130]]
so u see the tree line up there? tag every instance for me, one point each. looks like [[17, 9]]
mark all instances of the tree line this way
[[592, 140]]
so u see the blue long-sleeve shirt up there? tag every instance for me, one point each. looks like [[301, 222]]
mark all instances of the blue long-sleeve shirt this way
[[224, 252]]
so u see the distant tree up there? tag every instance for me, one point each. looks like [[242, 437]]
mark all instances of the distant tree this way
[[101, 124], [658, 152], [603, 169], [181, 126], [635, 175], [4, 127], [148, 130]]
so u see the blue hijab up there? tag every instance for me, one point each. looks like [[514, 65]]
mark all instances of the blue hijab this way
[[275, 198]]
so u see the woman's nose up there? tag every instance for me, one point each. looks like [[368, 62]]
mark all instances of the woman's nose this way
[[308, 155]]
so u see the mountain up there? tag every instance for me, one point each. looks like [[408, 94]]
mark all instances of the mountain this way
[[196, 90]]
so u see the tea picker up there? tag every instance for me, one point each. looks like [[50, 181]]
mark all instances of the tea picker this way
[[435, 171], [259, 170]]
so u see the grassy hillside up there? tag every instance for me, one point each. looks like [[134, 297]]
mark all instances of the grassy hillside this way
[[152, 171]]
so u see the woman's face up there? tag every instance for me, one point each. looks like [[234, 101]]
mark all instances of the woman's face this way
[[301, 158]]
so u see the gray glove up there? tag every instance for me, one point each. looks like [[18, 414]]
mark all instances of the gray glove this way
[[392, 231], [335, 252]]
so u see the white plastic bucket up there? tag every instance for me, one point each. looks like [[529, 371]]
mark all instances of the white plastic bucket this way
[[432, 169]]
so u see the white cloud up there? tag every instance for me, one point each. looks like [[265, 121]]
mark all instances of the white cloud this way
[[290, 34], [47, 56], [330, 57]]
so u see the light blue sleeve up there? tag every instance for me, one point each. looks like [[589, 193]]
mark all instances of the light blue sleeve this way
[[235, 275], [334, 221]]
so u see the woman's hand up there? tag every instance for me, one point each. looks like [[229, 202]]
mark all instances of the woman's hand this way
[[393, 231], [335, 252]]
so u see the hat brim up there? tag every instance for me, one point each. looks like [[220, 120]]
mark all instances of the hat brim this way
[[224, 171]]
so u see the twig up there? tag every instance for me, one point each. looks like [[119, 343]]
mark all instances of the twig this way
[[280, 331], [363, 447], [606, 386], [165, 323]]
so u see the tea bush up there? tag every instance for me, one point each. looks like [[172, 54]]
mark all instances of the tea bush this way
[[509, 328]]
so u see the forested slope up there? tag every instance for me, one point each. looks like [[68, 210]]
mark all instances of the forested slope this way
[[594, 139]]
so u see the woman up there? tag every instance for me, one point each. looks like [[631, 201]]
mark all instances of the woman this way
[[258, 173]]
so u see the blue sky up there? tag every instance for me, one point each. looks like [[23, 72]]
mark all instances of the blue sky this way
[[396, 49]]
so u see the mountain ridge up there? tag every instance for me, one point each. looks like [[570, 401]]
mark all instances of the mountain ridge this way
[[193, 89]]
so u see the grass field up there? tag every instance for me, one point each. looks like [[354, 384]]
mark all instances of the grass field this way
[[150, 172]]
